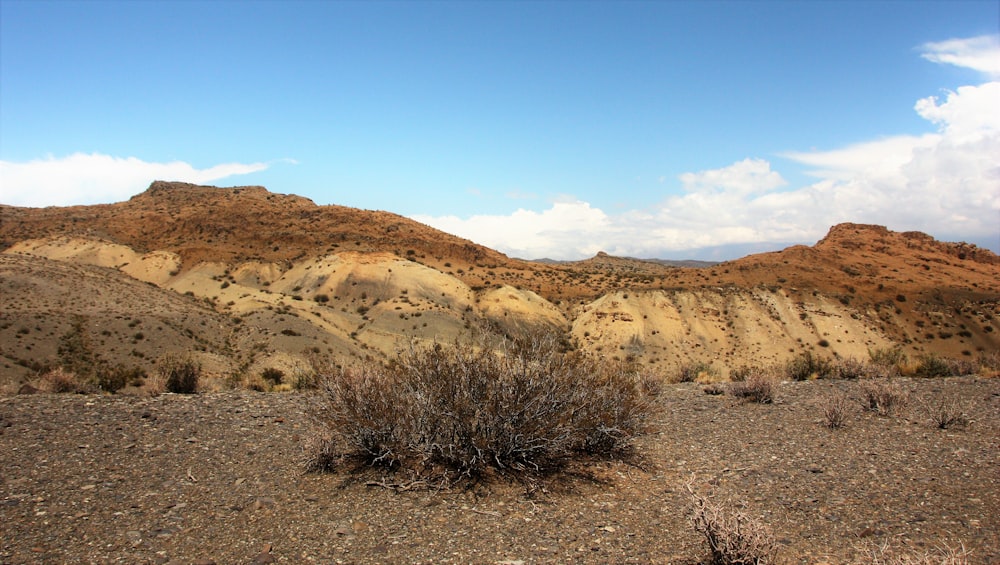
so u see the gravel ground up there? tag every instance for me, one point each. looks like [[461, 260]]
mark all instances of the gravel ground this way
[[217, 478]]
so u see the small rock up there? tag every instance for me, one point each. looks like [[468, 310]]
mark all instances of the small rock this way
[[27, 389], [814, 468], [263, 558], [263, 502], [359, 527]]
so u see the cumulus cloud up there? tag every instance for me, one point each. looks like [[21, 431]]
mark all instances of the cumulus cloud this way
[[83, 178], [529, 234], [744, 177], [946, 183]]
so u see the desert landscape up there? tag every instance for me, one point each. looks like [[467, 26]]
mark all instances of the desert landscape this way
[[256, 289]]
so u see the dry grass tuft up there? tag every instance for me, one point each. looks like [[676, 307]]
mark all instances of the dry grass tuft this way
[[883, 554], [836, 410], [946, 414], [883, 396]]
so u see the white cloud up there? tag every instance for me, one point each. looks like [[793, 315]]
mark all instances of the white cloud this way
[[554, 232], [746, 176], [969, 113], [83, 178], [946, 183], [980, 53]]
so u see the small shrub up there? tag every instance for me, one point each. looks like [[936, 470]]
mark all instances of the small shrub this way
[[836, 409], [180, 375], [889, 357], [962, 367], [757, 387], [733, 537], [305, 380], [113, 379], [989, 364], [850, 368], [944, 415], [808, 366], [272, 375], [740, 373], [883, 396], [60, 380], [694, 371], [853, 369], [933, 366]]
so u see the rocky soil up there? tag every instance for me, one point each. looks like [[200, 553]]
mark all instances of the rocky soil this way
[[217, 478]]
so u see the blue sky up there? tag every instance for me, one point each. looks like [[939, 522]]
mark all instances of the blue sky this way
[[542, 129]]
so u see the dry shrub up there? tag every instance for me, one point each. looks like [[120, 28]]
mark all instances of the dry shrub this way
[[757, 386], [884, 554], [114, 378], [962, 367], [60, 380], [891, 357], [946, 414], [931, 365], [696, 371], [836, 409], [461, 411], [808, 366], [179, 375], [883, 396], [733, 537], [853, 369], [989, 364]]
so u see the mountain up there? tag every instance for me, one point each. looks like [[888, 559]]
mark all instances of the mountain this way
[[250, 280]]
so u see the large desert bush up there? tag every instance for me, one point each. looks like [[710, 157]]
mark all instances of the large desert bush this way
[[463, 410]]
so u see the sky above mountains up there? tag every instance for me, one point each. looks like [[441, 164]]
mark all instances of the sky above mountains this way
[[540, 129]]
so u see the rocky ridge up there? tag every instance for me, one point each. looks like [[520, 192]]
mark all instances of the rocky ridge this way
[[288, 279]]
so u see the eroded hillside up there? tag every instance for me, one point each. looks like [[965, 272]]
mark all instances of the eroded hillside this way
[[277, 279]]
